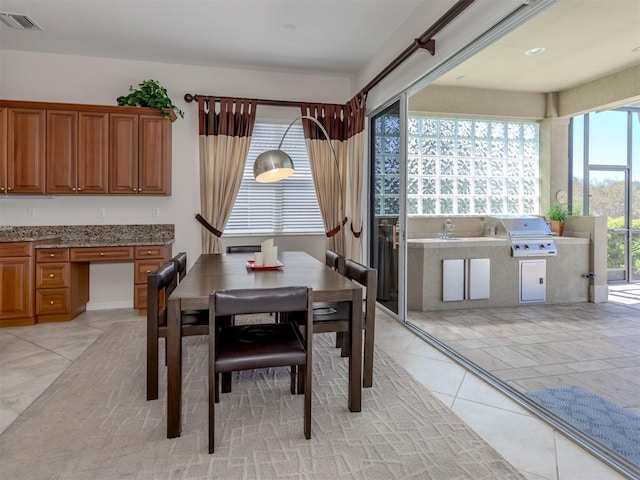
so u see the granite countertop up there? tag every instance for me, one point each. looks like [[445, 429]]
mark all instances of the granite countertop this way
[[90, 235]]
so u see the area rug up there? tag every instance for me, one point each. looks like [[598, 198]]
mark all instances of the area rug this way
[[94, 422], [602, 420]]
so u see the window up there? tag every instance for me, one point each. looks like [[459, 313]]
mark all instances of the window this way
[[459, 166], [288, 206]]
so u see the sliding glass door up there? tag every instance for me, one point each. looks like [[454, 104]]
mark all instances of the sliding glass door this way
[[388, 134]]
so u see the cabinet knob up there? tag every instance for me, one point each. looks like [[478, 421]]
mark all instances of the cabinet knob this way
[[74, 189], [148, 271], [79, 189], [52, 255], [51, 302], [102, 254], [148, 252], [51, 275], [8, 189], [1, 189]]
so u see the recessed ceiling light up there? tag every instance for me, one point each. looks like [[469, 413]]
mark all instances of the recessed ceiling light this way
[[534, 51], [290, 27]]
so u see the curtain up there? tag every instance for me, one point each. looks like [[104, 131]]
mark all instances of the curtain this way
[[225, 128], [339, 190]]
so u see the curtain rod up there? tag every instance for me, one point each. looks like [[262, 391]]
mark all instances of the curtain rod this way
[[425, 41]]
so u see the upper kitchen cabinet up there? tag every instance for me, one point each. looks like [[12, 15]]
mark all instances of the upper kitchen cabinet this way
[[22, 131], [140, 154], [77, 152], [69, 149]]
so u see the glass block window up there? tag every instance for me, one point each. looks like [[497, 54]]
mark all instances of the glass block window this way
[[459, 166]]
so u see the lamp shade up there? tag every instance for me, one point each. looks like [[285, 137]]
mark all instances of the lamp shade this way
[[272, 166]]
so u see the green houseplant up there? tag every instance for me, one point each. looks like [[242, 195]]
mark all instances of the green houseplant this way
[[556, 215], [150, 94]]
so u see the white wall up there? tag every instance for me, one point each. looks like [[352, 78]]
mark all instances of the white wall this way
[[89, 80]]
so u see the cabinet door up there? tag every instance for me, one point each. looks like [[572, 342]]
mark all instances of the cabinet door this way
[[26, 154], [479, 278], [453, 280], [123, 151], [93, 153], [62, 151], [4, 144], [16, 290], [533, 281], [155, 155]]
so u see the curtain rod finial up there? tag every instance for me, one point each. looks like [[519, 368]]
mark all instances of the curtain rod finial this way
[[190, 98]]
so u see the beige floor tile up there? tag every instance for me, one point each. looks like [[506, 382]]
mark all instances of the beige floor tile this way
[[438, 376], [574, 463], [525, 442]]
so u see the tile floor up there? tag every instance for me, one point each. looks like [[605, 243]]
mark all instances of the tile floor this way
[[32, 357]]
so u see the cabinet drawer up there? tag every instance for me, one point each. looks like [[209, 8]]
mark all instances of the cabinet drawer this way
[[149, 251], [140, 296], [15, 249], [98, 254], [144, 267], [52, 255], [52, 301], [52, 275]]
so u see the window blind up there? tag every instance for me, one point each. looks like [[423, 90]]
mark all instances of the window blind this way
[[287, 206]]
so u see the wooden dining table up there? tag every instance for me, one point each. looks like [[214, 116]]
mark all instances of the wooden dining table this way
[[232, 271]]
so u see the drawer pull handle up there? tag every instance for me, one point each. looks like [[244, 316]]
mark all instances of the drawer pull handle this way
[[51, 275]]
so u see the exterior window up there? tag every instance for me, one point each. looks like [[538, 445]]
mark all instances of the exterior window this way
[[459, 166], [288, 206]]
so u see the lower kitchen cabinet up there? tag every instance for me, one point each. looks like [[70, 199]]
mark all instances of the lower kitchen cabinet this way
[[16, 285], [62, 287], [466, 279]]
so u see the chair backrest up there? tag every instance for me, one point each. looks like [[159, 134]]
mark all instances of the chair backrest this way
[[243, 248], [263, 300], [335, 261], [160, 284], [180, 262], [365, 276]]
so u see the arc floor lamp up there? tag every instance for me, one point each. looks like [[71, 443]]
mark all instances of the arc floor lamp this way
[[275, 165]]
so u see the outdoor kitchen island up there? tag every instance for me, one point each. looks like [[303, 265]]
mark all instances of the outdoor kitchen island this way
[[482, 271]]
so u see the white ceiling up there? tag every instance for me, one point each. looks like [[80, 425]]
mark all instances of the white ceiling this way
[[584, 39]]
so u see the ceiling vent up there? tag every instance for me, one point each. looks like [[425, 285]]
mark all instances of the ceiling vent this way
[[18, 21]]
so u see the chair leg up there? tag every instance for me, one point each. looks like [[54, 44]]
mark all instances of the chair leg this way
[[213, 399], [339, 339], [216, 387], [165, 351], [307, 400], [152, 367], [345, 345], [226, 382], [301, 380], [367, 376], [293, 375]]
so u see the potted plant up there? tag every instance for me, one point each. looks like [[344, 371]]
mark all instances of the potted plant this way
[[150, 94], [556, 216]]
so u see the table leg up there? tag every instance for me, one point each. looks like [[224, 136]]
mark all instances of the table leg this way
[[174, 369], [355, 354]]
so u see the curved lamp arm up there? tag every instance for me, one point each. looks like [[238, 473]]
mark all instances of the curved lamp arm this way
[[275, 165]]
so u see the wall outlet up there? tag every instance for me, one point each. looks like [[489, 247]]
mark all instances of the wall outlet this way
[[155, 212], [31, 212], [102, 212]]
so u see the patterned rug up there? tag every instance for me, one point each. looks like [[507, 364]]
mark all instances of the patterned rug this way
[[94, 422], [605, 422]]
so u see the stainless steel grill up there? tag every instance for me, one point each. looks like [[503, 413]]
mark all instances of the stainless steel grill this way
[[529, 236]]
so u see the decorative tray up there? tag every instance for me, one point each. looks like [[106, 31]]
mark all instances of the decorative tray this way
[[278, 264]]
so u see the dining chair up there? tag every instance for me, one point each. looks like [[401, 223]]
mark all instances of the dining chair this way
[[336, 317], [180, 260], [160, 284], [247, 347], [243, 248]]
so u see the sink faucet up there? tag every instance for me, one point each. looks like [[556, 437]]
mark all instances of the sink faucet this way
[[449, 227]]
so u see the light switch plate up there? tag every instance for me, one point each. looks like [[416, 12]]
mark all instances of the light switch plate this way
[[155, 212], [102, 212], [31, 212]]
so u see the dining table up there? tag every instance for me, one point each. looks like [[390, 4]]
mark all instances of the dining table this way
[[213, 272]]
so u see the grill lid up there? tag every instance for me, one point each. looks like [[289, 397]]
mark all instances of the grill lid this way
[[521, 227]]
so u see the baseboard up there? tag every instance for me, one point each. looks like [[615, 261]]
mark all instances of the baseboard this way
[[108, 305]]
